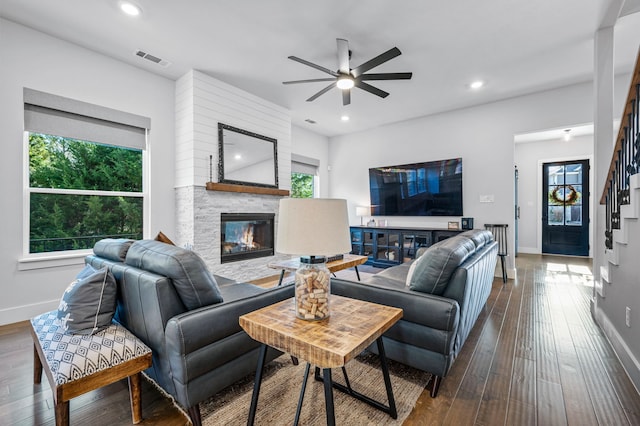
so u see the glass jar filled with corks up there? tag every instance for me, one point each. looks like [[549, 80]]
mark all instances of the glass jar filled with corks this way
[[312, 282]]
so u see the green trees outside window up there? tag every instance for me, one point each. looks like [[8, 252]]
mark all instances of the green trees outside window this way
[[81, 192], [301, 185]]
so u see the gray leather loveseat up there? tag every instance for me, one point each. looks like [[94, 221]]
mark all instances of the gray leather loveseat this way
[[187, 316], [448, 286]]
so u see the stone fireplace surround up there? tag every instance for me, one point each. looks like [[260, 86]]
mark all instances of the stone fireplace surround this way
[[198, 226]]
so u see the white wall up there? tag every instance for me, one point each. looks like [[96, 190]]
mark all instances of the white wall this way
[[309, 144], [528, 158], [482, 136], [201, 103], [35, 60]]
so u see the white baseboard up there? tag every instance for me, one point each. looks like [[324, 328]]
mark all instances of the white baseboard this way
[[529, 250], [627, 358], [25, 312]]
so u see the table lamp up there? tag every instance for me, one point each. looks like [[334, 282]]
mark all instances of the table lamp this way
[[362, 211], [312, 228]]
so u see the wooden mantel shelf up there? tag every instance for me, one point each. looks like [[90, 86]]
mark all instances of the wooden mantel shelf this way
[[226, 187]]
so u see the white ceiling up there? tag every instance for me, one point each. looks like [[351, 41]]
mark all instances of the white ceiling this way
[[555, 134], [517, 47]]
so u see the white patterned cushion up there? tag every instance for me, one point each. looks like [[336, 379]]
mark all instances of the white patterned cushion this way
[[74, 356]]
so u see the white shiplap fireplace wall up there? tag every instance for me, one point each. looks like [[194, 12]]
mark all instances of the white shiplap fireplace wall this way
[[201, 103]]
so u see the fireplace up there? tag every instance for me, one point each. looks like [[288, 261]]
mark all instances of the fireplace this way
[[246, 236]]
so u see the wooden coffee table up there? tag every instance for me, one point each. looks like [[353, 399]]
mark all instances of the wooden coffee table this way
[[330, 343], [349, 261]]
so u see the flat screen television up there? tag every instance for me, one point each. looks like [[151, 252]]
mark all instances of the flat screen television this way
[[432, 188]]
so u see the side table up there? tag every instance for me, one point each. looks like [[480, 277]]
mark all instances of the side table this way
[[348, 261], [330, 343]]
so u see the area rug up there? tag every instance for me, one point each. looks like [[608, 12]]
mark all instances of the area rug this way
[[280, 390]]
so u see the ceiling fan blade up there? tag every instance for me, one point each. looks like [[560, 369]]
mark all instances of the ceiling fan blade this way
[[322, 92], [387, 76], [312, 65], [313, 80], [380, 59], [369, 88], [343, 56], [346, 96]]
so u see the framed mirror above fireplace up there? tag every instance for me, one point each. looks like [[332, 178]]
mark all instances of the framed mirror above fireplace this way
[[246, 158]]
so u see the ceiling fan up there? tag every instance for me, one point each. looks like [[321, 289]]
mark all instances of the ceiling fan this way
[[346, 78]]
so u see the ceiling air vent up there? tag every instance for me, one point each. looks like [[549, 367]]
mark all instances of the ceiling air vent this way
[[152, 58]]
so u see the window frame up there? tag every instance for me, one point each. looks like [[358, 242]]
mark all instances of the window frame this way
[[301, 164], [71, 257]]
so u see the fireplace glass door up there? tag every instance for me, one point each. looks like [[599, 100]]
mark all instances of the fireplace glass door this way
[[246, 236]]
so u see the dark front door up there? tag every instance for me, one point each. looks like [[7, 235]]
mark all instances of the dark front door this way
[[565, 208]]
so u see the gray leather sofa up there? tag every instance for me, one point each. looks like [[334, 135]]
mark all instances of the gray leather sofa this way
[[448, 287], [187, 316]]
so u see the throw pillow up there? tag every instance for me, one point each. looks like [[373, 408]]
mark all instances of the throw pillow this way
[[88, 304], [192, 280], [412, 269], [436, 265], [163, 238]]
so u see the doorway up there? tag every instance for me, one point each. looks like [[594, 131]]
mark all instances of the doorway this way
[[565, 208]]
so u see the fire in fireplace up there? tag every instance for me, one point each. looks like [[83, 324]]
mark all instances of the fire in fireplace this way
[[246, 236]]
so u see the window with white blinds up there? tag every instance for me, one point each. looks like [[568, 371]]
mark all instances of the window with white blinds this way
[[83, 173]]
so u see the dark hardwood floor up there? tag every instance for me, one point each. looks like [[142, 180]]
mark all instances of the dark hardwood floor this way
[[535, 357]]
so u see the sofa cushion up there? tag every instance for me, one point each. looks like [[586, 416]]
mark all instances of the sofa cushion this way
[[480, 237], [89, 302], [396, 273], [192, 280], [112, 248], [434, 268]]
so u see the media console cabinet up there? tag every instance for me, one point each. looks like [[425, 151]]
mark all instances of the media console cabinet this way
[[387, 246]]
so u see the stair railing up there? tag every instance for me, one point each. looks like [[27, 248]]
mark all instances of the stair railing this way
[[625, 161]]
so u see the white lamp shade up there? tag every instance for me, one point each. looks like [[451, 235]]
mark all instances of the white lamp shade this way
[[313, 227], [363, 211]]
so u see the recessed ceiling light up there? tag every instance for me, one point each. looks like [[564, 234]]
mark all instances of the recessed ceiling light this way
[[130, 9], [344, 118], [476, 84]]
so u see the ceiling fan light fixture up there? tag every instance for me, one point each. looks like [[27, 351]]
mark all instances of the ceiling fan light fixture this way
[[346, 78], [345, 82], [130, 8]]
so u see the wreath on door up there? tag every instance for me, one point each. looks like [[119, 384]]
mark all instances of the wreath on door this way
[[569, 199]]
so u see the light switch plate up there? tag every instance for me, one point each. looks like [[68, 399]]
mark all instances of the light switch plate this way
[[486, 198]]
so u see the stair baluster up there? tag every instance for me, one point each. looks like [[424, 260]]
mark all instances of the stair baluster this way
[[625, 160]]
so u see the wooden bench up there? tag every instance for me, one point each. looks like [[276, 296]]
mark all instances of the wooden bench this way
[[78, 363]]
